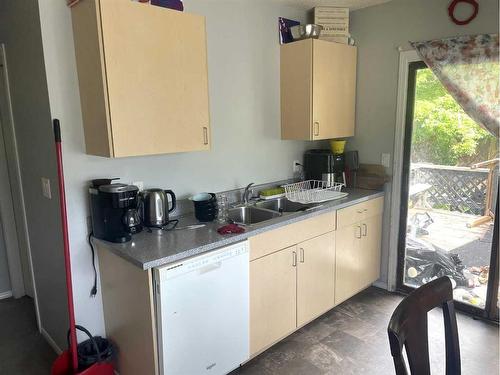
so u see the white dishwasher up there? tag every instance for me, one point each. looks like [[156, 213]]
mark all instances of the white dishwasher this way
[[202, 309]]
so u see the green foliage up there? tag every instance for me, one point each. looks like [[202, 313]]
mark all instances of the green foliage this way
[[442, 132]]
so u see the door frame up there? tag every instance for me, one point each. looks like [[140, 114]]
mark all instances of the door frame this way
[[413, 67], [409, 62], [405, 58], [15, 231]]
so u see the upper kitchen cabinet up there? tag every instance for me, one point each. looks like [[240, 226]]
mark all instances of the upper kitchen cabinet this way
[[318, 90], [143, 78]]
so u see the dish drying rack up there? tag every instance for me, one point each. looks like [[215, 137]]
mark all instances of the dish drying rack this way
[[313, 191]]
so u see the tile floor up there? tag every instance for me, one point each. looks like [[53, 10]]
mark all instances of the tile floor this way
[[23, 350], [352, 339]]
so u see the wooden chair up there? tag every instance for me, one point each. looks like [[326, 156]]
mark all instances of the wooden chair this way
[[408, 328]]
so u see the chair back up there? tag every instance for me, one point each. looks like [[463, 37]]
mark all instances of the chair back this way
[[408, 329]]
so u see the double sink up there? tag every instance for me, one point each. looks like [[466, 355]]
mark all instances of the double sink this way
[[261, 211]]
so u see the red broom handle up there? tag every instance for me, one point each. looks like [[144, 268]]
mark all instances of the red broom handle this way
[[67, 260]]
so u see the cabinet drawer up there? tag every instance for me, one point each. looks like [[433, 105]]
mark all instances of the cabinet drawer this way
[[274, 240], [373, 207], [353, 214]]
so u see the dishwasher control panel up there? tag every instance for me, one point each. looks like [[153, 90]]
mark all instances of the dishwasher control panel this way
[[203, 260]]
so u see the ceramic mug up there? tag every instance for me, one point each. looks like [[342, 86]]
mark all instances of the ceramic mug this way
[[205, 206]]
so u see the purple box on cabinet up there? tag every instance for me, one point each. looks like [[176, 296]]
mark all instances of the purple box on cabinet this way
[[284, 25], [171, 4]]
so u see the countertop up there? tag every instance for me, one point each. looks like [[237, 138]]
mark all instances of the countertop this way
[[159, 247]]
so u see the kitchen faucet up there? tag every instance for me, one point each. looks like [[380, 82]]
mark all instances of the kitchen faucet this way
[[246, 193]]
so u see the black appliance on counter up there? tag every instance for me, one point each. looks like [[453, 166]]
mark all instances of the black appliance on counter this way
[[114, 210], [318, 164]]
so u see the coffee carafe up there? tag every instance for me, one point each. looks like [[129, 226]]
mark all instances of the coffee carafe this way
[[132, 220], [155, 207]]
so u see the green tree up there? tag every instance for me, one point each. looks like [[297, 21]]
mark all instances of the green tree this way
[[442, 132]]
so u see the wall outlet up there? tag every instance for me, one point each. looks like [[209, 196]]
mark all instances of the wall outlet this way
[[386, 160], [46, 188], [297, 166], [139, 184]]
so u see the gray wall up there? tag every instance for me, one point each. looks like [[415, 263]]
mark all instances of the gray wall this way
[[379, 31], [243, 58], [4, 270], [20, 31]]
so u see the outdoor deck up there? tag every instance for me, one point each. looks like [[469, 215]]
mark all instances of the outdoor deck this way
[[450, 232]]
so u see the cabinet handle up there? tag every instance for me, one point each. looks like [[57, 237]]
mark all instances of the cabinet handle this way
[[301, 255], [316, 128], [294, 259], [359, 211], [358, 228], [205, 135], [365, 210], [365, 230]]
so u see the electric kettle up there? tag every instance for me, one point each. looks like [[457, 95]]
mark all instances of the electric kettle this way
[[155, 210]]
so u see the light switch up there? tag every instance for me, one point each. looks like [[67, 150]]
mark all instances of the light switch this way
[[386, 160], [46, 188]]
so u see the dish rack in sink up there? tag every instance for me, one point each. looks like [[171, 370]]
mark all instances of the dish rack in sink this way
[[313, 191]]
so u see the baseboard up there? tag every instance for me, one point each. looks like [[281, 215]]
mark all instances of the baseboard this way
[[51, 341], [5, 295], [380, 284]]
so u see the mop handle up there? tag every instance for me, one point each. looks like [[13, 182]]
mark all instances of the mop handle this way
[[67, 260]]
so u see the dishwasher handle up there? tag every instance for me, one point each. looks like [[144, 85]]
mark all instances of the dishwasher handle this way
[[209, 268]]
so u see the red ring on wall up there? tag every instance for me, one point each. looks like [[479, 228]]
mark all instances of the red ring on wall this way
[[451, 11]]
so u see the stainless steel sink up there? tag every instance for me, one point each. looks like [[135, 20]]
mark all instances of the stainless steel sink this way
[[251, 215], [283, 205]]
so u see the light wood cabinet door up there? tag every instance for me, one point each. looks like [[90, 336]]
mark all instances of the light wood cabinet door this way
[[318, 90], [315, 277], [334, 90], [273, 295], [370, 251], [347, 265], [143, 78], [358, 255], [296, 90]]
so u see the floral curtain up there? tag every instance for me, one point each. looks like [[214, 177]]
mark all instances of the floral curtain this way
[[468, 68]]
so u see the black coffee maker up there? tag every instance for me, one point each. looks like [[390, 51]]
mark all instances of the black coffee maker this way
[[324, 165], [114, 210]]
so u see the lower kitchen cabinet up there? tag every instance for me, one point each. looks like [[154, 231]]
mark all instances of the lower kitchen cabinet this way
[[289, 288], [371, 248], [358, 248], [315, 277], [273, 296], [347, 267]]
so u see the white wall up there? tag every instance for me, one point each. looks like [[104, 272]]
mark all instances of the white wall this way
[[243, 58], [379, 31]]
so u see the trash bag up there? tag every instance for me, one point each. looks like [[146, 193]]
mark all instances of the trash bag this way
[[431, 263]]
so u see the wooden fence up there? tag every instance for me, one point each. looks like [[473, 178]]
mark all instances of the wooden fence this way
[[459, 189]]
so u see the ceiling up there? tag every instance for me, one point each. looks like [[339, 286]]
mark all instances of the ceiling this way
[[352, 4]]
